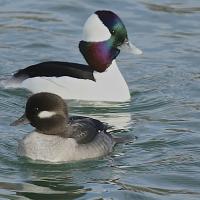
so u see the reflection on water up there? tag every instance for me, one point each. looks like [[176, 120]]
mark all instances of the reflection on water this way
[[158, 191], [44, 189], [116, 115], [177, 8]]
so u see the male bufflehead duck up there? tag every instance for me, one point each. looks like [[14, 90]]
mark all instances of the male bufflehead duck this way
[[59, 138], [104, 34]]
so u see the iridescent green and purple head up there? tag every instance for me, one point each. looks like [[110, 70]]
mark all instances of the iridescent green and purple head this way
[[104, 34]]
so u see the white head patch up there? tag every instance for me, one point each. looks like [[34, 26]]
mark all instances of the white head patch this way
[[94, 30], [46, 114]]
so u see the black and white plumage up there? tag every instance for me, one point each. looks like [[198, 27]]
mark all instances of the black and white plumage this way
[[104, 35], [59, 138]]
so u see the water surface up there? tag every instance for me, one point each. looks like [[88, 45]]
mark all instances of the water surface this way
[[164, 162]]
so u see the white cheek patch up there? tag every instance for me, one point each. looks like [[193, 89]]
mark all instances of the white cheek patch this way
[[94, 30], [46, 114]]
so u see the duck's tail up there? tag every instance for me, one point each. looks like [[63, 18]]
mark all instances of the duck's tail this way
[[125, 139]]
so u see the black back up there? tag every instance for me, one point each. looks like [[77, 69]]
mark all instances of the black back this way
[[56, 69]]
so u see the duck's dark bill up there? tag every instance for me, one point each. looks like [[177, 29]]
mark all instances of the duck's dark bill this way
[[22, 120]]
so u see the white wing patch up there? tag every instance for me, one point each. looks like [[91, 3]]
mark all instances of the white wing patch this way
[[46, 114]]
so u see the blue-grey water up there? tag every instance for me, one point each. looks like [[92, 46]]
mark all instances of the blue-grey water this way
[[164, 113]]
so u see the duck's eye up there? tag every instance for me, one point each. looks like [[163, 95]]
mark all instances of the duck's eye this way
[[113, 32], [36, 109]]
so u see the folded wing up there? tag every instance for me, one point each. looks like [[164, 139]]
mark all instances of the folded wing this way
[[56, 69]]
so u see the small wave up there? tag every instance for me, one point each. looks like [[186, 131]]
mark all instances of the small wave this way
[[8, 81], [172, 8]]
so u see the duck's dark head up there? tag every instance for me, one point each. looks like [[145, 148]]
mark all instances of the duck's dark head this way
[[46, 112], [103, 36]]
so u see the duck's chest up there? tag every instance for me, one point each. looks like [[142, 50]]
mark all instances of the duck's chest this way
[[57, 149], [45, 147]]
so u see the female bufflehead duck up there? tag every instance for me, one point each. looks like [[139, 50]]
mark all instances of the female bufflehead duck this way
[[104, 34], [59, 138]]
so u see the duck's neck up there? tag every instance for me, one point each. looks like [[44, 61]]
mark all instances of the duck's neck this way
[[110, 73], [98, 55], [55, 125]]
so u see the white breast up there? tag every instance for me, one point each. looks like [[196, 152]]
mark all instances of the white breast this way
[[50, 148], [109, 86]]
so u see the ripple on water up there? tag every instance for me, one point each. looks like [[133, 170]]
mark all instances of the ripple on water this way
[[163, 163]]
